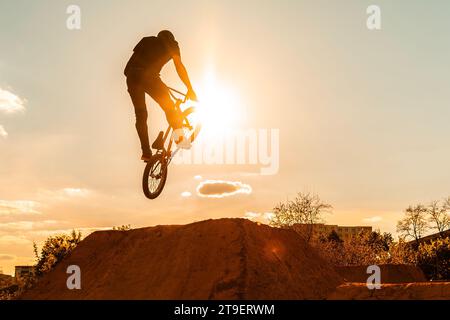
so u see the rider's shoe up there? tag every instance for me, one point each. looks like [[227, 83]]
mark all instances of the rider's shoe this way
[[159, 142], [184, 143], [180, 140]]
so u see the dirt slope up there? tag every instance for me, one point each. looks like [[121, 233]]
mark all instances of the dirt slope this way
[[390, 273], [214, 259], [406, 291]]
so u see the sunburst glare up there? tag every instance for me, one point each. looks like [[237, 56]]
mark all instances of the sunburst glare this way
[[219, 108]]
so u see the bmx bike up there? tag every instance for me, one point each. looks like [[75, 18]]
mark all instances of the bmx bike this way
[[155, 172]]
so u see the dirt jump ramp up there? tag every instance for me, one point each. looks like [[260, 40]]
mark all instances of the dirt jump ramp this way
[[213, 259]]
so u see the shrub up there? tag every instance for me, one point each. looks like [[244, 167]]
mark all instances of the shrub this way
[[402, 252], [124, 227], [366, 248], [54, 250], [434, 258]]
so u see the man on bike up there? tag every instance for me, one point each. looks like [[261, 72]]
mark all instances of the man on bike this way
[[143, 76]]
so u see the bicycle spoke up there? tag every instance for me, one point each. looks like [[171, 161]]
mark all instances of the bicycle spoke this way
[[155, 176]]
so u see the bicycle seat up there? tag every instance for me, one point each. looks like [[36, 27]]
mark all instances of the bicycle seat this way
[[159, 142]]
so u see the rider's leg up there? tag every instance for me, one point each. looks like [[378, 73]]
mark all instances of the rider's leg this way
[[137, 94], [160, 93]]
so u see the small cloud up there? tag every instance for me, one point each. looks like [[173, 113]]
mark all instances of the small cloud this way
[[62, 195], [264, 217], [10, 103], [373, 219], [76, 192], [220, 189], [7, 257], [29, 225], [16, 226], [3, 133], [197, 177], [18, 207], [251, 215], [8, 240], [84, 231], [186, 194]]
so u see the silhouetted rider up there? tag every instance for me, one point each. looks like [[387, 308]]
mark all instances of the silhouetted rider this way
[[143, 76]]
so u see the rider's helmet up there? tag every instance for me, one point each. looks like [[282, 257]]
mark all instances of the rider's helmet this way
[[166, 36]]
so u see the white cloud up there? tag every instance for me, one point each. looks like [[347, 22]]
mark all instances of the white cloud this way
[[18, 207], [3, 133], [11, 103], [84, 231], [373, 219], [264, 217], [76, 192], [220, 189], [198, 177], [16, 226], [23, 233], [186, 194], [14, 240], [29, 225], [49, 196], [252, 215]]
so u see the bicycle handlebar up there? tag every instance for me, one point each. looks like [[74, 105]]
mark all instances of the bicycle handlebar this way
[[176, 98], [172, 89]]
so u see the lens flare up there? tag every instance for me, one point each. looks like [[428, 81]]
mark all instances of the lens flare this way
[[219, 109]]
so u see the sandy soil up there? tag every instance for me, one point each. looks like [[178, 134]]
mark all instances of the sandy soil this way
[[406, 291], [390, 273]]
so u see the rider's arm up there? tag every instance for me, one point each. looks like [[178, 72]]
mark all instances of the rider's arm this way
[[182, 73]]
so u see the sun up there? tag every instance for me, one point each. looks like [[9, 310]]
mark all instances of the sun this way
[[218, 109]]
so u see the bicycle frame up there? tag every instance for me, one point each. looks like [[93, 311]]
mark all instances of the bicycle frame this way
[[161, 160], [167, 153]]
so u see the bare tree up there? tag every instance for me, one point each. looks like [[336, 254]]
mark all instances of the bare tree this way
[[415, 223], [447, 203], [439, 215], [306, 208]]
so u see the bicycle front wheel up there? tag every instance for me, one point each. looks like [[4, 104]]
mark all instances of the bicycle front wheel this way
[[155, 176]]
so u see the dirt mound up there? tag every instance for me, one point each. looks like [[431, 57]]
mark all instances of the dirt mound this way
[[390, 273], [409, 291], [214, 259]]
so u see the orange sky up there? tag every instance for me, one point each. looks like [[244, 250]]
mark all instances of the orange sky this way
[[361, 115]]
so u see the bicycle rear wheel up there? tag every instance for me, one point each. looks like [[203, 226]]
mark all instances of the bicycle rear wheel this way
[[155, 176]]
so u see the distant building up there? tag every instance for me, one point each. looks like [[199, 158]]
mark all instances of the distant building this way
[[318, 229], [431, 237], [23, 271]]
